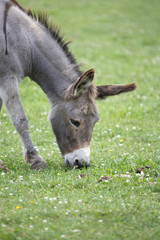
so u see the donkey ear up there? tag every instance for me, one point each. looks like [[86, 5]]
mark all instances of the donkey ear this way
[[83, 82], [111, 90]]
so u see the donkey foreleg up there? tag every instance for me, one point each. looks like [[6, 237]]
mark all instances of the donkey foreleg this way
[[20, 122]]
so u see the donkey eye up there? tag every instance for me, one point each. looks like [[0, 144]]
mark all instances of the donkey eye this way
[[76, 123]]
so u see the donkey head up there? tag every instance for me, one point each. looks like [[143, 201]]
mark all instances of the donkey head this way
[[73, 120], [74, 117]]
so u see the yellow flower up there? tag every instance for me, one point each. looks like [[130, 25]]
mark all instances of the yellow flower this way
[[18, 207], [121, 140]]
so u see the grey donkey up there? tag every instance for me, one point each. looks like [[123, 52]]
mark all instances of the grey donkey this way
[[30, 46]]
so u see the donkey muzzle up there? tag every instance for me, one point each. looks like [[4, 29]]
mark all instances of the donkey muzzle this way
[[78, 158]]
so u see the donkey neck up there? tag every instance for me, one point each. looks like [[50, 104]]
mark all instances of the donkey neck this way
[[52, 69]]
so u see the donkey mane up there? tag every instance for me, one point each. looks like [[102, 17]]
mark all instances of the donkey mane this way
[[55, 33], [53, 30]]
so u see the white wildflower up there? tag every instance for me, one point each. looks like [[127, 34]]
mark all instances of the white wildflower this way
[[75, 230], [125, 175], [3, 225], [100, 220]]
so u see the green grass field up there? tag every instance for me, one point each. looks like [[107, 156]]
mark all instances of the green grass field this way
[[121, 41]]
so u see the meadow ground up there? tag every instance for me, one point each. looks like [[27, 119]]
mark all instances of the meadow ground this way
[[121, 41]]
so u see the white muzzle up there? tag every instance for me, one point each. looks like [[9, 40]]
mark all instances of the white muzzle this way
[[80, 157]]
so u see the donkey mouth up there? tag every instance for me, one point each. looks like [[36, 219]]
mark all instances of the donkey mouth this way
[[78, 158]]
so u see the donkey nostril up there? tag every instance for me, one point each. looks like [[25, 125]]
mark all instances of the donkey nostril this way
[[77, 163]]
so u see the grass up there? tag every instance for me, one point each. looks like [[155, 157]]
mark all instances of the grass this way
[[121, 40]]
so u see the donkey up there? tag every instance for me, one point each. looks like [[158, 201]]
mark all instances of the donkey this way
[[31, 46]]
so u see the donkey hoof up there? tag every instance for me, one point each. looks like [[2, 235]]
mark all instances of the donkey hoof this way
[[38, 165]]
